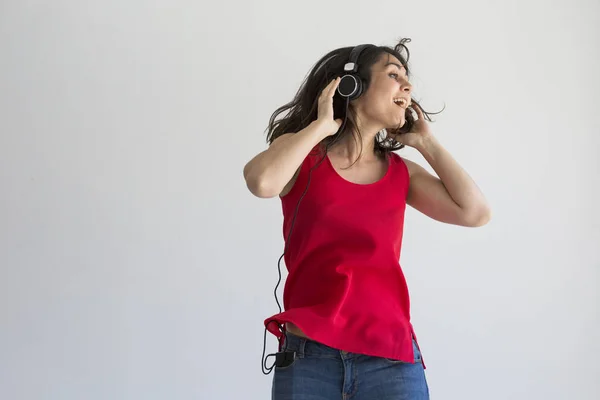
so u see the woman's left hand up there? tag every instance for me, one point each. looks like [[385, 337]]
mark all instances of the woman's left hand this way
[[418, 133]]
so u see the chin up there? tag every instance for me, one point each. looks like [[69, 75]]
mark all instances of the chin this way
[[398, 123]]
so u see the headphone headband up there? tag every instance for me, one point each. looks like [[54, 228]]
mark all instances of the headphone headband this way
[[352, 66], [350, 86]]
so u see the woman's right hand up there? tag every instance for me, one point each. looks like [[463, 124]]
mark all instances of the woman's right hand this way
[[274, 171], [325, 109]]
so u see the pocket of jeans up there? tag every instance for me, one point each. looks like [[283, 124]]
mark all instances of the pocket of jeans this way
[[276, 368], [417, 354]]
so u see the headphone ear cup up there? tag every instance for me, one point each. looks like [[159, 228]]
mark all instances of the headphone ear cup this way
[[359, 88], [350, 86]]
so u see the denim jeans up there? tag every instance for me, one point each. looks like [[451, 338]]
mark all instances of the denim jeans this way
[[319, 372]]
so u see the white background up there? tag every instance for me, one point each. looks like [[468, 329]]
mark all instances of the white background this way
[[135, 264]]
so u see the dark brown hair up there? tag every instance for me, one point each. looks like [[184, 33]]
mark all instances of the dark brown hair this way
[[302, 110]]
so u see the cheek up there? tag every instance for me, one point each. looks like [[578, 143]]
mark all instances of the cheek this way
[[377, 102]]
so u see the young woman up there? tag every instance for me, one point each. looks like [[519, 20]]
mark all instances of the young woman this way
[[346, 330]]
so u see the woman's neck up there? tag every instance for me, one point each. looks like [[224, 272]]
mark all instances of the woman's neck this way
[[355, 148]]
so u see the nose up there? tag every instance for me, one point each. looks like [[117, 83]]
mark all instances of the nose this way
[[406, 87]]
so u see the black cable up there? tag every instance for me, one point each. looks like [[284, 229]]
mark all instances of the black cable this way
[[267, 370]]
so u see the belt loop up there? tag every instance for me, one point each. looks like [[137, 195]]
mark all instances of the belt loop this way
[[301, 347]]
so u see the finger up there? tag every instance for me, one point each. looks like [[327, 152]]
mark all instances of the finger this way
[[334, 86], [418, 110], [329, 85], [325, 91]]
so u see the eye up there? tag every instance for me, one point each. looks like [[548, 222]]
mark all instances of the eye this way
[[393, 75]]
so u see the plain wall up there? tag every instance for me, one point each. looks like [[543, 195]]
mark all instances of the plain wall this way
[[135, 264]]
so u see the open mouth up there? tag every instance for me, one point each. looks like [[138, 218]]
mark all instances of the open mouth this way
[[401, 101]]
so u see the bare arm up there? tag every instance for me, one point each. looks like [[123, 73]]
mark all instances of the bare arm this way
[[453, 197], [272, 172]]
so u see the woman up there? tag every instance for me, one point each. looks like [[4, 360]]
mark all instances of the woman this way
[[346, 329]]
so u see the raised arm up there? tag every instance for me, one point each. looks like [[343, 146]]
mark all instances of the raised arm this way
[[451, 196], [273, 171]]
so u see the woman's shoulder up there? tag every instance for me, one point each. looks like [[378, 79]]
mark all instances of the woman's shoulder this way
[[396, 158], [308, 162], [411, 166], [402, 163]]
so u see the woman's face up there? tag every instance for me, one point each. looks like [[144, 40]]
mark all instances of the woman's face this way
[[385, 102]]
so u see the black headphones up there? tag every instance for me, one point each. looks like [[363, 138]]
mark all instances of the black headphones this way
[[350, 86]]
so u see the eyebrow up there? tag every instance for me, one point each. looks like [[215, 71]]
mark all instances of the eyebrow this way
[[400, 67]]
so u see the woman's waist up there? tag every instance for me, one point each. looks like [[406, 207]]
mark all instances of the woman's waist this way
[[341, 262]]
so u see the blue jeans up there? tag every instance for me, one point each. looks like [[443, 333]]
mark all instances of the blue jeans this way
[[319, 372]]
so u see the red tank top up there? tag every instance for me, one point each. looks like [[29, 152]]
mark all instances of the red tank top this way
[[345, 287]]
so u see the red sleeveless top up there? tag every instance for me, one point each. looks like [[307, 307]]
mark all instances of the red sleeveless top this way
[[345, 287]]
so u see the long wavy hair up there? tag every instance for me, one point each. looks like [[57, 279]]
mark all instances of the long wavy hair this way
[[302, 110]]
